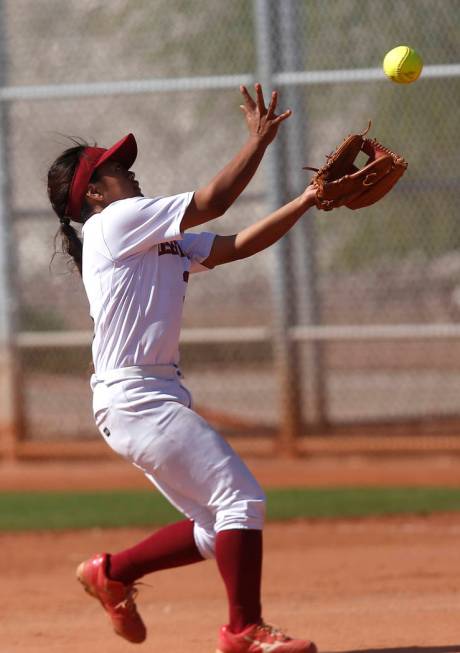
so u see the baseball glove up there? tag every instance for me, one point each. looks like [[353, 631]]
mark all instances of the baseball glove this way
[[340, 183]]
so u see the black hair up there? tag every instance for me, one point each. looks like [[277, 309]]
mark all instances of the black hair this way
[[60, 177]]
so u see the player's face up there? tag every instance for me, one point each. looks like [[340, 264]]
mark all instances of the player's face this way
[[115, 182]]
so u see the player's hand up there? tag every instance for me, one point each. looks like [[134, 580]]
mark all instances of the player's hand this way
[[308, 197], [262, 123]]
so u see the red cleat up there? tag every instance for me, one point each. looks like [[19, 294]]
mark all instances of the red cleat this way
[[261, 638], [116, 598]]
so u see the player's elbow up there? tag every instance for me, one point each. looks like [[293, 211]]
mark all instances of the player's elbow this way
[[213, 201], [217, 207]]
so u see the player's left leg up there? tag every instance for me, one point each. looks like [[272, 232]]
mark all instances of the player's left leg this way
[[239, 559]]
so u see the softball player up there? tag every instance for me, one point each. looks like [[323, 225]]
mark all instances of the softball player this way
[[135, 261]]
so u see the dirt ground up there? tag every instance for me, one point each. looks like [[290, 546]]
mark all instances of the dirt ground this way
[[315, 471], [367, 586]]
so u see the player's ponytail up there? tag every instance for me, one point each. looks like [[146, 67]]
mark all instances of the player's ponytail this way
[[70, 243], [60, 177]]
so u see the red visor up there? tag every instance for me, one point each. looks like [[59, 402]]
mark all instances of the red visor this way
[[124, 151]]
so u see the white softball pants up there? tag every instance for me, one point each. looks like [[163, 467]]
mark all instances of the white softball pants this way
[[144, 414]]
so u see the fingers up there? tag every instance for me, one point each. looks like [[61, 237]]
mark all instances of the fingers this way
[[248, 101], [282, 116], [250, 105], [272, 105], [260, 100]]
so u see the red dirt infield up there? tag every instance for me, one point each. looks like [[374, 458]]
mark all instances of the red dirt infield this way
[[366, 585], [316, 471]]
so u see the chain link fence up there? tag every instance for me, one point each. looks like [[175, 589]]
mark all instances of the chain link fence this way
[[310, 327]]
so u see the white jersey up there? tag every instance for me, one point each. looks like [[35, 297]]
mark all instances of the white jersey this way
[[136, 265]]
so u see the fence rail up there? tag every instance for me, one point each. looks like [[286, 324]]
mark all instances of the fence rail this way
[[200, 83], [394, 332]]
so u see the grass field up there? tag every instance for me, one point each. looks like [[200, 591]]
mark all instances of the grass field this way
[[22, 511]]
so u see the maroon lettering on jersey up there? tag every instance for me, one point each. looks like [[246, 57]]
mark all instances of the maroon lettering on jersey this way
[[170, 248], [164, 248]]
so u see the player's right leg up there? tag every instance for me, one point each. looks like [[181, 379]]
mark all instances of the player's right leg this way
[[111, 578], [116, 598]]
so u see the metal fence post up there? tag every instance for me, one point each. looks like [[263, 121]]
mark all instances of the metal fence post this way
[[9, 421], [303, 235], [285, 359]]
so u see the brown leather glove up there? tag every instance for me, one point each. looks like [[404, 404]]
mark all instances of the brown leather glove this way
[[340, 183]]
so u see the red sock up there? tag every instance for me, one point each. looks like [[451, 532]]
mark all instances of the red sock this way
[[172, 546], [239, 558]]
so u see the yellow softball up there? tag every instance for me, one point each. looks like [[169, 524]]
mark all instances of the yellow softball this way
[[402, 65]]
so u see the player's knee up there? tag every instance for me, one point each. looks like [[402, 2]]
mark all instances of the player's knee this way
[[234, 513], [205, 540], [247, 512]]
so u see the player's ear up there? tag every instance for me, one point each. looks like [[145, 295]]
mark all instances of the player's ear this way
[[93, 192]]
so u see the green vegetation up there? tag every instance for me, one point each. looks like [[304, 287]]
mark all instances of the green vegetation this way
[[61, 510], [69, 510], [359, 502]]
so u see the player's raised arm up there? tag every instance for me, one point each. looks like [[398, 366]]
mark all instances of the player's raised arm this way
[[218, 195], [262, 234]]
